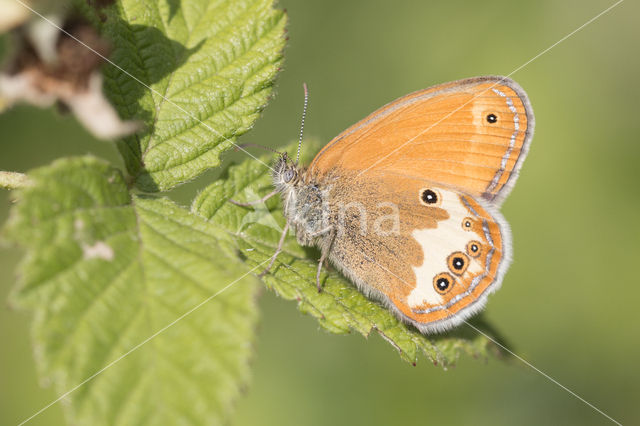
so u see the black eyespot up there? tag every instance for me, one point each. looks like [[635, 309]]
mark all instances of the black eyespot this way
[[429, 196], [443, 282], [473, 248], [467, 223], [458, 262], [491, 118]]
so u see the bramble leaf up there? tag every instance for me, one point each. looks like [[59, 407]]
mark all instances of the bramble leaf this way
[[208, 67], [136, 289], [340, 307]]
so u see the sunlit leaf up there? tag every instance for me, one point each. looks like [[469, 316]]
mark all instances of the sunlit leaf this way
[[208, 67], [107, 272]]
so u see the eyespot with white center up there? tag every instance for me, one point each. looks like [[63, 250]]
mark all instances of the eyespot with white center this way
[[443, 282], [458, 262], [474, 248], [430, 197]]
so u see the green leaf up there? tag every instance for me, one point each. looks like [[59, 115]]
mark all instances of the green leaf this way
[[210, 67], [340, 307], [106, 270]]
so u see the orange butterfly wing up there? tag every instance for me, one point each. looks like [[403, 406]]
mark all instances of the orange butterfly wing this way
[[471, 135]]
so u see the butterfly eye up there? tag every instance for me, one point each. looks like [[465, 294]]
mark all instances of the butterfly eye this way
[[443, 282], [492, 118], [288, 175], [458, 262], [467, 223], [429, 197], [473, 248]]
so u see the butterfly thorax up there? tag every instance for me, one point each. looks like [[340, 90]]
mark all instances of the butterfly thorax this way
[[305, 201]]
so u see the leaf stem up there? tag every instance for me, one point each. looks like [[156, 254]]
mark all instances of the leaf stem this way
[[13, 180]]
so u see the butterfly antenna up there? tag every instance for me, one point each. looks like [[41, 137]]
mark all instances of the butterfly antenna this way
[[304, 114]]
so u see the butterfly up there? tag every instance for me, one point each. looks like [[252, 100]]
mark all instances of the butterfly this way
[[405, 202]]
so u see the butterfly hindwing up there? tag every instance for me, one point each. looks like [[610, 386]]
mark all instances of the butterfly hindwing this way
[[464, 260], [435, 264]]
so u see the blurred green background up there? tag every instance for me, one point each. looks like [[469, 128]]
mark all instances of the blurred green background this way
[[568, 304]]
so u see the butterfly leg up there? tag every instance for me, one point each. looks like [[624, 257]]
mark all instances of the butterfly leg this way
[[320, 263], [326, 248], [278, 250], [252, 203]]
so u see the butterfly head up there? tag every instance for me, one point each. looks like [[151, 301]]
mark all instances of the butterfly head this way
[[285, 173]]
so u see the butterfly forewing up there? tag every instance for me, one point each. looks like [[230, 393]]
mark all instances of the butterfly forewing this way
[[471, 135]]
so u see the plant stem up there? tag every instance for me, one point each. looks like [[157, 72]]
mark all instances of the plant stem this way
[[13, 180]]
